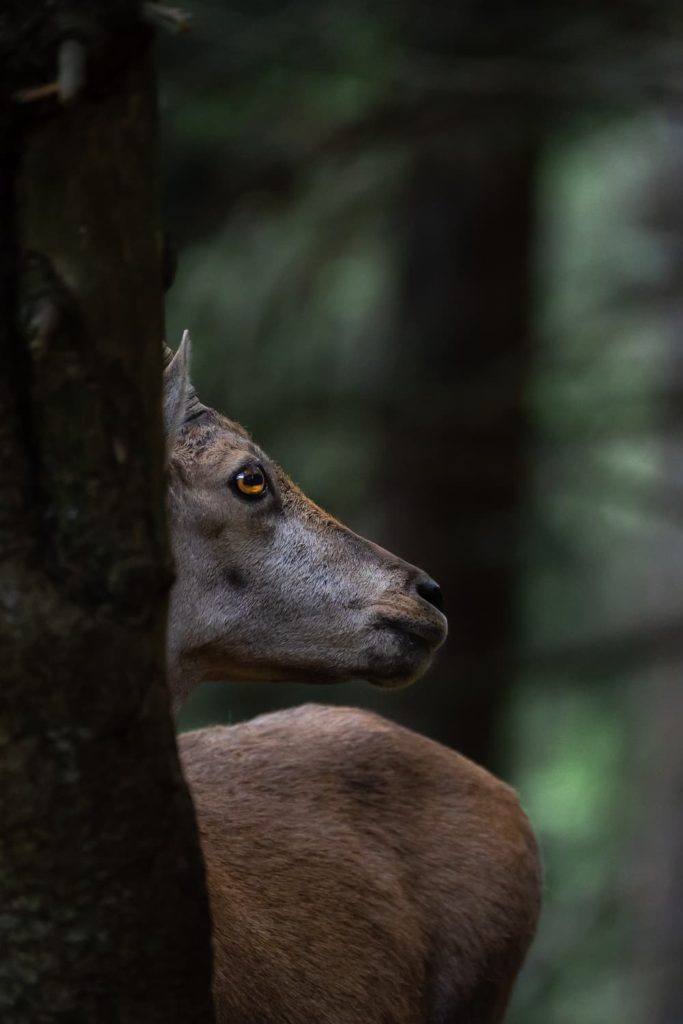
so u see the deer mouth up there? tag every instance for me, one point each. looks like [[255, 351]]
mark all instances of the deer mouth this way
[[404, 650], [422, 633]]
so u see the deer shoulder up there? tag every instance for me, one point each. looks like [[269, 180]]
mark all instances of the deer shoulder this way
[[358, 872]]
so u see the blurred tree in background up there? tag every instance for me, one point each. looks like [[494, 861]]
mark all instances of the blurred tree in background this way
[[431, 256]]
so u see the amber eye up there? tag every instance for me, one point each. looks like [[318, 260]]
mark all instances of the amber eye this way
[[250, 481]]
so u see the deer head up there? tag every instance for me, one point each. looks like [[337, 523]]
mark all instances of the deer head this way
[[268, 585]]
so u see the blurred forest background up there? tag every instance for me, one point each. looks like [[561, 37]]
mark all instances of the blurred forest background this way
[[432, 257]]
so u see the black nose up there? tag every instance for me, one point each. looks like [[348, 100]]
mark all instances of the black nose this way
[[430, 590]]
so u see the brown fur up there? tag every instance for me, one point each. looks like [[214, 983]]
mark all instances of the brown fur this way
[[358, 873]]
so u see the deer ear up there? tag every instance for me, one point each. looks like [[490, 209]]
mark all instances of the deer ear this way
[[177, 390]]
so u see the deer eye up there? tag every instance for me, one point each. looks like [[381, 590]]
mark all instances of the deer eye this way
[[250, 481]]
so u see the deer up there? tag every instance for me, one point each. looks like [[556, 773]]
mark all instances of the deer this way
[[358, 873]]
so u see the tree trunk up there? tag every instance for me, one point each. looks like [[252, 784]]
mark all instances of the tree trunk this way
[[657, 791], [104, 915], [456, 461]]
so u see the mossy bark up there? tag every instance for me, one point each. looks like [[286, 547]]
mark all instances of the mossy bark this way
[[103, 912]]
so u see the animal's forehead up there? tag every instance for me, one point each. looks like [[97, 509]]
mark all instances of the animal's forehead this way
[[211, 442], [213, 438], [233, 436]]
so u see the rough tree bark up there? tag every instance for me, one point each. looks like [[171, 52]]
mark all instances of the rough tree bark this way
[[103, 914]]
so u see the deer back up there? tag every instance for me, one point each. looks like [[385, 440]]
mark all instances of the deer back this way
[[358, 872]]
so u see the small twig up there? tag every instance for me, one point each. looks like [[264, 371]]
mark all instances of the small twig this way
[[70, 76], [42, 324], [37, 92], [172, 18]]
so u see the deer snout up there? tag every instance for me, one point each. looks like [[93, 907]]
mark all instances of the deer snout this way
[[410, 627], [416, 608], [430, 591]]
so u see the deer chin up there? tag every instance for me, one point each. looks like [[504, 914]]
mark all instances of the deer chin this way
[[402, 647]]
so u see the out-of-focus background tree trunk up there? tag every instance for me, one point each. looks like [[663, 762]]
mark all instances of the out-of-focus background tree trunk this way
[[656, 774], [454, 465], [104, 914]]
